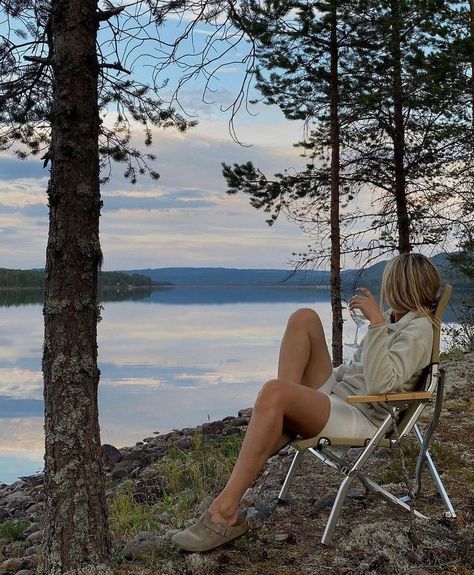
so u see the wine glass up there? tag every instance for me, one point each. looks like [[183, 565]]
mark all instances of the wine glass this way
[[359, 319]]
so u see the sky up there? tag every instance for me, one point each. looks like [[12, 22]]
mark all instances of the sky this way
[[185, 218]]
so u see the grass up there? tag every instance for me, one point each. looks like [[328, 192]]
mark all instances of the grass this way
[[187, 477], [127, 517], [13, 530], [455, 352]]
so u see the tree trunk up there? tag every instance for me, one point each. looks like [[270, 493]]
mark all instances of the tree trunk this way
[[76, 527], [335, 183], [403, 226], [471, 21]]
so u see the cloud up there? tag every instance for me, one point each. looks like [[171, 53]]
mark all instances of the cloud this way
[[169, 201], [184, 218]]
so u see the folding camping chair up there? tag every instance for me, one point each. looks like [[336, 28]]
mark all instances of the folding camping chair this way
[[406, 408]]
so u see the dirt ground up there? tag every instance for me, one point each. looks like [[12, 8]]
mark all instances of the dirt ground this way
[[372, 536]]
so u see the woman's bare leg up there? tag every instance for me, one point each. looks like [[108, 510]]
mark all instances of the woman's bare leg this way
[[304, 409], [293, 400], [304, 356]]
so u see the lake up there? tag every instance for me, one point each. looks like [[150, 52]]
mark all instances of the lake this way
[[169, 359]]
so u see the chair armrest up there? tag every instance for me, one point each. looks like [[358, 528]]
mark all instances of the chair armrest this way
[[409, 396]]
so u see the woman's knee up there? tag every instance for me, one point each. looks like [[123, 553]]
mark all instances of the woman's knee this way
[[304, 316], [273, 392]]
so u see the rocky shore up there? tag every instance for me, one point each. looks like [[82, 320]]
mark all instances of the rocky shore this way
[[23, 499], [282, 539]]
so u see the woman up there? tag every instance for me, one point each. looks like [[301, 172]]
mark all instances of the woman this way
[[308, 396]]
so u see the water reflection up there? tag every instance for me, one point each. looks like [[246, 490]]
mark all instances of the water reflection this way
[[172, 359]]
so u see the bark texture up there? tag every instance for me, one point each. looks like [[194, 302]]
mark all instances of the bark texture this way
[[403, 225], [335, 198], [76, 526], [471, 23]]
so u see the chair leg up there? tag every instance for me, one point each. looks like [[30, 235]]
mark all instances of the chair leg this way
[[450, 513], [388, 496], [289, 477], [336, 509]]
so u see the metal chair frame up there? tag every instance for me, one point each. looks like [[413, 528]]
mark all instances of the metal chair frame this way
[[408, 408]]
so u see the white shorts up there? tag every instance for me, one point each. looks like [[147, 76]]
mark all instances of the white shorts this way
[[345, 420]]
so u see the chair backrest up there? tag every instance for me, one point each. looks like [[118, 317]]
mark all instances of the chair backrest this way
[[440, 307], [408, 416]]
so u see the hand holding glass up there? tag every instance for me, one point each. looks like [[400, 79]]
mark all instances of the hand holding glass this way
[[359, 319]]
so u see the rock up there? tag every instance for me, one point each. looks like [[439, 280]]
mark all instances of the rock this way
[[164, 517], [240, 421], [110, 454], [184, 443], [146, 543], [14, 564], [231, 430], [15, 549], [19, 514], [18, 500], [25, 572], [4, 514], [148, 439], [126, 467], [33, 480], [280, 537], [212, 427], [33, 550], [258, 513], [131, 456], [247, 412], [205, 503], [149, 473], [35, 537], [36, 509], [33, 527], [32, 561]]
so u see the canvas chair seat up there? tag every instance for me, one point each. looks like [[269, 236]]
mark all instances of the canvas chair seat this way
[[405, 410]]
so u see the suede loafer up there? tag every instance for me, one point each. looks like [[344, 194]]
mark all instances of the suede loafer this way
[[205, 535]]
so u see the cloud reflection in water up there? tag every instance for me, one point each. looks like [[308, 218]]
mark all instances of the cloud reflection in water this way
[[162, 367]]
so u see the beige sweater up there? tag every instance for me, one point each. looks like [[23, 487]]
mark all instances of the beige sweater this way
[[390, 359]]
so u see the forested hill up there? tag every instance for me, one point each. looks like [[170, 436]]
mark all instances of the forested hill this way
[[236, 277], [231, 276], [163, 277], [35, 279]]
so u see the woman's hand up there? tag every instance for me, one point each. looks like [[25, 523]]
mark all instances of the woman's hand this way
[[368, 305]]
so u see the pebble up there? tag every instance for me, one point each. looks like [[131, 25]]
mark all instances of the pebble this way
[[280, 537], [146, 542], [35, 537]]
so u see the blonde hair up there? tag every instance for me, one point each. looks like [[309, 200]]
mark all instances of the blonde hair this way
[[410, 282]]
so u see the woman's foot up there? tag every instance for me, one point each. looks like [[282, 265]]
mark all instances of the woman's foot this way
[[206, 534]]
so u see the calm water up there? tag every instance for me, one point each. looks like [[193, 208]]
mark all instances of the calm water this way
[[173, 359]]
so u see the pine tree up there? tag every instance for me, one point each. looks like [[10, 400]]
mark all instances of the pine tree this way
[[54, 78]]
